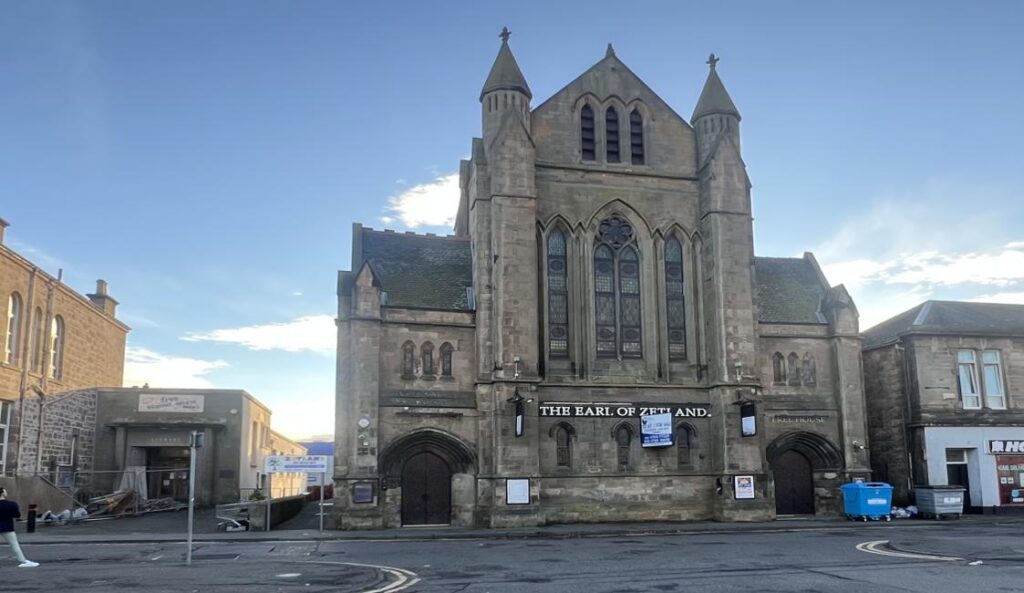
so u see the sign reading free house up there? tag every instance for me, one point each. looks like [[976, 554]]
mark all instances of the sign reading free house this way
[[170, 402]]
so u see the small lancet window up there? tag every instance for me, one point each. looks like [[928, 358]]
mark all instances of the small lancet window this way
[[793, 370], [675, 299], [587, 134], [446, 359], [623, 439], [809, 372], [636, 137], [427, 354], [685, 444], [778, 369], [558, 296], [611, 135], [563, 448], [408, 360]]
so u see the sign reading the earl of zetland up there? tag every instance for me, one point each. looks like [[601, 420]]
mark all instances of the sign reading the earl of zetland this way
[[575, 410]]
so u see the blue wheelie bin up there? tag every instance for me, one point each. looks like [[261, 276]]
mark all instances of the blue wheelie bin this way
[[867, 500]]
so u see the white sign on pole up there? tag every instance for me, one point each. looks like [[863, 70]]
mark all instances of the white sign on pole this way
[[309, 464], [656, 430]]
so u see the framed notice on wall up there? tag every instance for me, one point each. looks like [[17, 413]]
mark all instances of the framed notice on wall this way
[[517, 491], [743, 487]]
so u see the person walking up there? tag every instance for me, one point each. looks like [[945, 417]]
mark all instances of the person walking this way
[[9, 511]]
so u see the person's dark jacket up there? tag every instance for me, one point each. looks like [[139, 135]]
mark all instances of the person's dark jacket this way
[[9, 511]]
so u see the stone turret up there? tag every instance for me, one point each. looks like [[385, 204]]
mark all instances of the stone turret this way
[[504, 91], [715, 114]]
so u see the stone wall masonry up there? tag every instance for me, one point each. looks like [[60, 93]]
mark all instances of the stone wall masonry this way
[[887, 417], [69, 424]]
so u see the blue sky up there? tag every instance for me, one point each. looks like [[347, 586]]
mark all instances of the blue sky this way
[[209, 158]]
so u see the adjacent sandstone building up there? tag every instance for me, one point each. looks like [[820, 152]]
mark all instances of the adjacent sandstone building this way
[[55, 344], [597, 341], [940, 381]]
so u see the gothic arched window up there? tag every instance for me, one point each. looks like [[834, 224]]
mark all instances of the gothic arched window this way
[[809, 372], [623, 440], [13, 343], [611, 135], [446, 359], [57, 338], [778, 369], [675, 299], [617, 291], [558, 296], [408, 360], [427, 356], [686, 442], [793, 369], [563, 444], [587, 151], [636, 137]]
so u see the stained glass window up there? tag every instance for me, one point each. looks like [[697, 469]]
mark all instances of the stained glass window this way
[[617, 291], [558, 296], [675, 299]]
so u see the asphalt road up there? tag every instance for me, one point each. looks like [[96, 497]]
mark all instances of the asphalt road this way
[[822, 561]]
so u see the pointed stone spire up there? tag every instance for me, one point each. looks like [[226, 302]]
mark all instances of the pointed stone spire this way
[[505, 73], [610, 51], [714, 99]]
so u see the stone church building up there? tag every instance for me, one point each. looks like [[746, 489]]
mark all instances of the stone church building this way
[[601, 275]]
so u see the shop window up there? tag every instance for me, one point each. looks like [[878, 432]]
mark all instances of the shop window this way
[[558, 296], [12, 346], [675, 300], [446, 359]]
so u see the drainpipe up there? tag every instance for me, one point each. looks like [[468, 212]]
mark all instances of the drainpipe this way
[[901, 351], [26, 361]]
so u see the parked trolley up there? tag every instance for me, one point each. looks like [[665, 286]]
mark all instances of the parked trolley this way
[[867, 500]]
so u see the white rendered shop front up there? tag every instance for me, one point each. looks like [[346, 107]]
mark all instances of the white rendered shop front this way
[[987, 461]]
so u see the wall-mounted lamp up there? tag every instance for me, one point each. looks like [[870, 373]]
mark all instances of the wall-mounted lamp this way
[[857, 446], [516, 362], [520, 411]]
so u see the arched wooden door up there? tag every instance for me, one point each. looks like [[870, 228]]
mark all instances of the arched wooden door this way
[[426, 490], [794, 484]]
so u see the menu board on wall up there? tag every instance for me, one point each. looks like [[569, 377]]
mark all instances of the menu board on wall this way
[[1010, 473]]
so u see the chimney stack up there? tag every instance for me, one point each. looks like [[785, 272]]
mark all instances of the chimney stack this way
[[3, 225], [103, 301]]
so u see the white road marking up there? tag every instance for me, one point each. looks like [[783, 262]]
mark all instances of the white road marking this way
[[289, 575], [874, 548], [403, 578]]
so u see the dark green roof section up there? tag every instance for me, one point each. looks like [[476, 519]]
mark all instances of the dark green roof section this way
[[950, 318], [788, 290], [420, 271]]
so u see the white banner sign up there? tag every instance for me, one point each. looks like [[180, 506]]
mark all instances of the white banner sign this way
[[309, 464], [656, 430], [169, 402]]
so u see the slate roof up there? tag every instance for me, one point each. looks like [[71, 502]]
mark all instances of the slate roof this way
[[787, 290], [949, 317], [505, 74], [419, 271], [714, 98]]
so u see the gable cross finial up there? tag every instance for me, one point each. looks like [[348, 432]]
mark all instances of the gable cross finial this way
[[712, 61], [505, 34]]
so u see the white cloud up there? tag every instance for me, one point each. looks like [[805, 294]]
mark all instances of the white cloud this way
[[144, 366], [428, 204], [1009, 298], [313, 333]]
